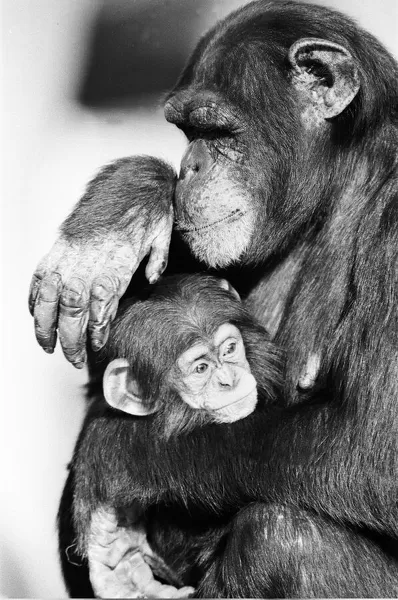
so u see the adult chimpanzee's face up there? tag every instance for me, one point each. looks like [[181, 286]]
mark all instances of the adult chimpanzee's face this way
[[257, 102], [214, 375], [215, 209]]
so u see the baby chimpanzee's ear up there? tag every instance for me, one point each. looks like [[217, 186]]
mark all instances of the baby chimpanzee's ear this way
[[227, 286], [122, 391]]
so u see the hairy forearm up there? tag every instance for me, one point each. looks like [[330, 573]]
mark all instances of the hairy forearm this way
[[125, 215], [124, 194], [340, 474]]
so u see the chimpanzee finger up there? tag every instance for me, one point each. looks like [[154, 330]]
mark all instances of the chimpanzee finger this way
[[157, 262], [103, 306], [73, 320], [184, 592], [133, 568], [45, 311], [155, 589], [34, 290]]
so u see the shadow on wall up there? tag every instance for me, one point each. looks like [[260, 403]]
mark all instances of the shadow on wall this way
[[138, 49]]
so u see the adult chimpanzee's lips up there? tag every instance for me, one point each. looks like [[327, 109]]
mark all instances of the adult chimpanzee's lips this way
[[233, 216]]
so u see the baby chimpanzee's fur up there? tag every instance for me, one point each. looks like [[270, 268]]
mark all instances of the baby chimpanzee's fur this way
[[204, 486]]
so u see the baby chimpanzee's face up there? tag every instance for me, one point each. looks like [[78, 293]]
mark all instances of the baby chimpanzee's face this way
[[214, 375]]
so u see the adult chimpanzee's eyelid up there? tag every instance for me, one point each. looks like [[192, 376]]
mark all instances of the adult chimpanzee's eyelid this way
[[213, 115]]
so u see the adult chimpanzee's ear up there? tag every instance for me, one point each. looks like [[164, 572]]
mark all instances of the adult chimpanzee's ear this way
[[325, 74], [122, 391], [227, 286]]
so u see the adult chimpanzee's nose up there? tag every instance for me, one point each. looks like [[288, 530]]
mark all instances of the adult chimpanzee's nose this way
[[196, 158]]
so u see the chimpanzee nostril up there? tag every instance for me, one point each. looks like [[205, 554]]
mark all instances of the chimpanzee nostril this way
[[187, 168], [196, 158]]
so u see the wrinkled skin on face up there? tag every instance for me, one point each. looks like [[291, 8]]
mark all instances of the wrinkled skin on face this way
[[215, 376], [256, 130], [214, 203]]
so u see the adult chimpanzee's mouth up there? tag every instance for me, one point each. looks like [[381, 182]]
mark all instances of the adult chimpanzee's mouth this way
[[233, 216]]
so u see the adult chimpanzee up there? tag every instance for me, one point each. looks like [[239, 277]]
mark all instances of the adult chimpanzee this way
[[199, 380], [289, 184]]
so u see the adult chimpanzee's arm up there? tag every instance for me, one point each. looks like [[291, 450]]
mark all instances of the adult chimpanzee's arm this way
[[340, 475], [219, 467], [125, 214]]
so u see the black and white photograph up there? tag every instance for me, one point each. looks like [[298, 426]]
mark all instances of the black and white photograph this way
[[199, 269]]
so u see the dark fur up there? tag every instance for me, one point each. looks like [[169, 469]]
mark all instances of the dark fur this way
[[323, 262], [130, 182], [193, 476]]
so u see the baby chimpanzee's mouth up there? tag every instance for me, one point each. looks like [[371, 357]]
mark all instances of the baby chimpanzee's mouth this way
[[234, 215], [240, 400]]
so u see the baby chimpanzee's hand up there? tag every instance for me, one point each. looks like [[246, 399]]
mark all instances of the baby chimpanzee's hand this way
[[118, 561]]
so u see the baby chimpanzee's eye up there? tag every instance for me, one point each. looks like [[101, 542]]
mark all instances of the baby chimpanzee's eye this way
[[201, 368]]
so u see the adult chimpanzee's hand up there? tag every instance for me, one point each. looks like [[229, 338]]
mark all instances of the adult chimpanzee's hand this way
[[125, 215]]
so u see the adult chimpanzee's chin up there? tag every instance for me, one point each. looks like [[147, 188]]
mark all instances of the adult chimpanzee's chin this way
[[213, 206], [223, 242]]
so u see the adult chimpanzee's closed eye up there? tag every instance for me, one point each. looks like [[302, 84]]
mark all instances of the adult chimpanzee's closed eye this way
[[195, 386]]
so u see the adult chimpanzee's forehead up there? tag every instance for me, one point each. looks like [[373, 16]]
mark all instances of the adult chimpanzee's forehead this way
[[255, 40]]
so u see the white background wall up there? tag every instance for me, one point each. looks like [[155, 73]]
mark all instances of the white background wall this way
[[50, 150]]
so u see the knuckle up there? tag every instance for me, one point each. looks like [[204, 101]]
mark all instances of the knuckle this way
[[101, 312], [98, 328], [123, 272], [76, 285], [49, 290], [75, 313], [74, 294], [103, 288]]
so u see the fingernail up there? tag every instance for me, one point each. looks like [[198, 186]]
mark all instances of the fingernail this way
[[49, 350], [153, 278], [96, 345], [78, 365]]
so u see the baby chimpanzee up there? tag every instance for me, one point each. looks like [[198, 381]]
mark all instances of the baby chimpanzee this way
[[191, 398]]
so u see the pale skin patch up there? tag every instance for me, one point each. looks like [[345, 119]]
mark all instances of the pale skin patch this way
[[81, 283], [121, 562], [323, 101], [215, 376], [223, 243]]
